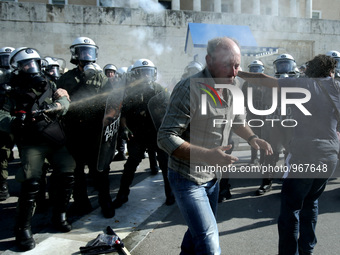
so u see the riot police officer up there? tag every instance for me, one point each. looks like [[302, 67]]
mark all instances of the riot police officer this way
[[110, 71], [139, 129], [88, 88], [285, 66], [52, 67], [32, 115], [6, 140]]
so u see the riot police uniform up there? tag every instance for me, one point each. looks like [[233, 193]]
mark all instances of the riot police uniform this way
[[110, 71], [88, 88], [140, 131], [32, 115]]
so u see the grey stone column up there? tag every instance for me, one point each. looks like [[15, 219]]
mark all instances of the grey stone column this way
[[197, 5], [257, 7], [275, 7], [175, 5], [237, 6], [292, 6], [309, 8], [217, 6]]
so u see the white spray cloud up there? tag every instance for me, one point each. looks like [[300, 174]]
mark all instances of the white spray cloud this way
[[158, 48], [144, 37], [150, 6]]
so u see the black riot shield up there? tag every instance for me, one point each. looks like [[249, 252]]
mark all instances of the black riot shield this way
[[111, 122], [157, 107]]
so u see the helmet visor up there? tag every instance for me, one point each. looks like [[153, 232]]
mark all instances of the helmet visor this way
[[256, 69], [86, 53], [4, 61], [148, 73], [53, 71], [337, 63], [31, 66], [284, 66]]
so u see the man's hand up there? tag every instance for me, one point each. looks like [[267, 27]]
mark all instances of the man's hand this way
[[218, 156], [62, 93], [258, 143]]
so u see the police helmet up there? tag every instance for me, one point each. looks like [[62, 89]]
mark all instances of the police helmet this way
[[144, 69], [121, 71], [51, 67], [284, 64], [256, 67], [110, 67], [25, 60], [336, 55], [193, 67], [83, 49]]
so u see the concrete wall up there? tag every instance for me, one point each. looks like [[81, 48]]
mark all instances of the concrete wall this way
[[125, 35]]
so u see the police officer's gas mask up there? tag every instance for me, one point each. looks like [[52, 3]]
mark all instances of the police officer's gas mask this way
[[87, 56], [147, 75], [285, 68], [256, 69]]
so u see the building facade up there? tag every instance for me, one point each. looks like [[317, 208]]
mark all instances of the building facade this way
[[126, 34], [326, 9]]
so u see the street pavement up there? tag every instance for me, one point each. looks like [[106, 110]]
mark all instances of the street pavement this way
[[247, 223]]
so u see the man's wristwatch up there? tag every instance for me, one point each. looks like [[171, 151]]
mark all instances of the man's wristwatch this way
[[251, 138]]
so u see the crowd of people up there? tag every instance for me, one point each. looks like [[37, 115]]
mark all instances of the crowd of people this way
[[60, 119]]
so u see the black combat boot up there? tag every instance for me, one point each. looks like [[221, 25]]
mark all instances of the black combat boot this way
[[224, 193], [63, 187], [25, 210], [266, 186], [267, 181], [4, 194], [82, 204], [104, 197]]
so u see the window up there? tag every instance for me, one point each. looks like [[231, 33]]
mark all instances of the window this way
[[58, 2], [114, 3], [316, 14], [225, 7], [166, 4]]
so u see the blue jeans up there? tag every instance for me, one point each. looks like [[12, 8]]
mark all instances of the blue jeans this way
[[299, 213], [198, 205]]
